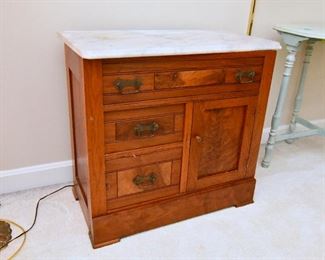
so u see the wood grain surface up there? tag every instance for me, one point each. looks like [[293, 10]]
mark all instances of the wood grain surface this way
[[179, 139]]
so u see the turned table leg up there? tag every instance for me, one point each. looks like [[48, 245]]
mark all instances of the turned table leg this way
[[300, 92], [292, 43]]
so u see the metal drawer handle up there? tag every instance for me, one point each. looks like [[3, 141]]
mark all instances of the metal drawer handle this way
[[121, 84], [141, 180], [151, 128], [245, 76]]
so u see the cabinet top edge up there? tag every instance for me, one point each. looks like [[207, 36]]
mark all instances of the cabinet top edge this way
[[150, 43]]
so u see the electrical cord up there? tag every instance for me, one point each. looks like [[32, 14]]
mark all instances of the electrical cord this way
[[35, 216]]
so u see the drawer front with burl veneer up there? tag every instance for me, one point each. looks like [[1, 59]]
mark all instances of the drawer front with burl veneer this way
[[136, 128], [143, 174]]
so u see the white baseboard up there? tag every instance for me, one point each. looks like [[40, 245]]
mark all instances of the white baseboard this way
[[284, 128], [35, 176], [61, 172]]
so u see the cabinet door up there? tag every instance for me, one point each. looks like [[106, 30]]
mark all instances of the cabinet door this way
[[220, 141]]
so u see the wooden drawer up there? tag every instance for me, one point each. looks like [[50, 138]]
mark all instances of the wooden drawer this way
[[144, 178], [143, 174], [132, 129], [147, 79]]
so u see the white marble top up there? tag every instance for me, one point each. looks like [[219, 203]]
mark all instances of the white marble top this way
[[309, 31], [141, 43]]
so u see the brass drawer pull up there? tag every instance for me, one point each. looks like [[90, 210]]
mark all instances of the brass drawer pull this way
[[121, 84], [245, 76], [141, 180], [151, 128]]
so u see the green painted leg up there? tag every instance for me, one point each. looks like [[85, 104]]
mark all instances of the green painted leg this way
[[292, 43], [300, 92]]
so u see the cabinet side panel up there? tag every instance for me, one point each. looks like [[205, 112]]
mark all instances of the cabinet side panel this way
[[93, 83], [78, 128], [79, 133], [260, 111]]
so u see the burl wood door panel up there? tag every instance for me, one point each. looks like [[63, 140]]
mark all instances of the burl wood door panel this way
[[220, 141]]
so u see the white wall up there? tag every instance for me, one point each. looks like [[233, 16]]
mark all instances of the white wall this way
[[33, 109], [34, 105]]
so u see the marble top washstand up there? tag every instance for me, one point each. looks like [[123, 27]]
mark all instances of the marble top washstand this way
[[145, 43]]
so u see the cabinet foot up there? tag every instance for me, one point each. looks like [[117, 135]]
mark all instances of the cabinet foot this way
[[74, 192], [106, 243], [241, 204]]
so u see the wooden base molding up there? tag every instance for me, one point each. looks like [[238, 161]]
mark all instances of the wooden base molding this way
[[120, 224]]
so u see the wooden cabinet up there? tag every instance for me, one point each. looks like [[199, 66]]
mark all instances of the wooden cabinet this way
[[157, 140]]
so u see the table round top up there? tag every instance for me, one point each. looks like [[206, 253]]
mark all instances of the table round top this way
[[309, 31]]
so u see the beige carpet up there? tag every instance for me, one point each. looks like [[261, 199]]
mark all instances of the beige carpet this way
[[285, 222]]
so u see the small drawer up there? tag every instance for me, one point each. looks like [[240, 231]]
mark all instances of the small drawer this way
[[191, 78], [128, 84], [167, 77], [141, 175], [132, 129], [145, 178], [243, 75]]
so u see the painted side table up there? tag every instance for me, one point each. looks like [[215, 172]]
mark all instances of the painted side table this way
[[293, 36]]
